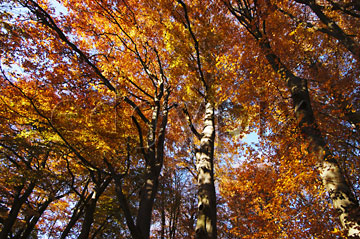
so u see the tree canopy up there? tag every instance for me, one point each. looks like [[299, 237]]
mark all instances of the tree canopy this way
[[179, 119]]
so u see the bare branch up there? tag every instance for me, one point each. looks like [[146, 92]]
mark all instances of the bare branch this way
[[141, 140], [192, 127], [48, 21], [196, 45], [136, 108], [89, 165]]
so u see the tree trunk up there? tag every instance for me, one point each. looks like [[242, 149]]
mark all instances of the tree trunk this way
[[15, 209], [333, 29], [154, 164], [77, 212], [331, 174], [90, 208], [135, 234], [206, 219], [89, 217], [30, 227], [163, 216], [148, 193]]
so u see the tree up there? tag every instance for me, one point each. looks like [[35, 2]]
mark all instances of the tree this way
[[119, 117], [252, 16]]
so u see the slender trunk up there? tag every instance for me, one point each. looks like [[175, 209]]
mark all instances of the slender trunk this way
[[331, 174], [15, 209], [78, 211], [175, 212], [163, 216], [172, 229], [90, 209], [79, 208], [135, 234], [35, 219], [99, 229], [89, 217], [206, 219]]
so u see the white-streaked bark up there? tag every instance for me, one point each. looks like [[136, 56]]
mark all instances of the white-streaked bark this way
[[206, 220]]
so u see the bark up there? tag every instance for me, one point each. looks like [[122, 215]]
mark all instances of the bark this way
[[35, 219], [135, 234], [148, 193], [89, 217], [331, 174], [15, 209], [174, 216], [163, 216], [78, 211], [90, 209], [153, 154], [151, 184], [141, 230], [206, 220], [333, 29], [155, 158]]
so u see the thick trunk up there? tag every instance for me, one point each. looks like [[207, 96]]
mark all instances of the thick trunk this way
[[154, 162], [331, 174], [153, 154], [155, 159], [333, 29], [148, 193], [206, 220], [341, 195]]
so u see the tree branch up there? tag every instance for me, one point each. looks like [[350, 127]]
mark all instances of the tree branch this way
[[196, 45], [192, 127], [48, 21]]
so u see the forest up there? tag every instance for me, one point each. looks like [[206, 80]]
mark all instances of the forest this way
[[178, 119]]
